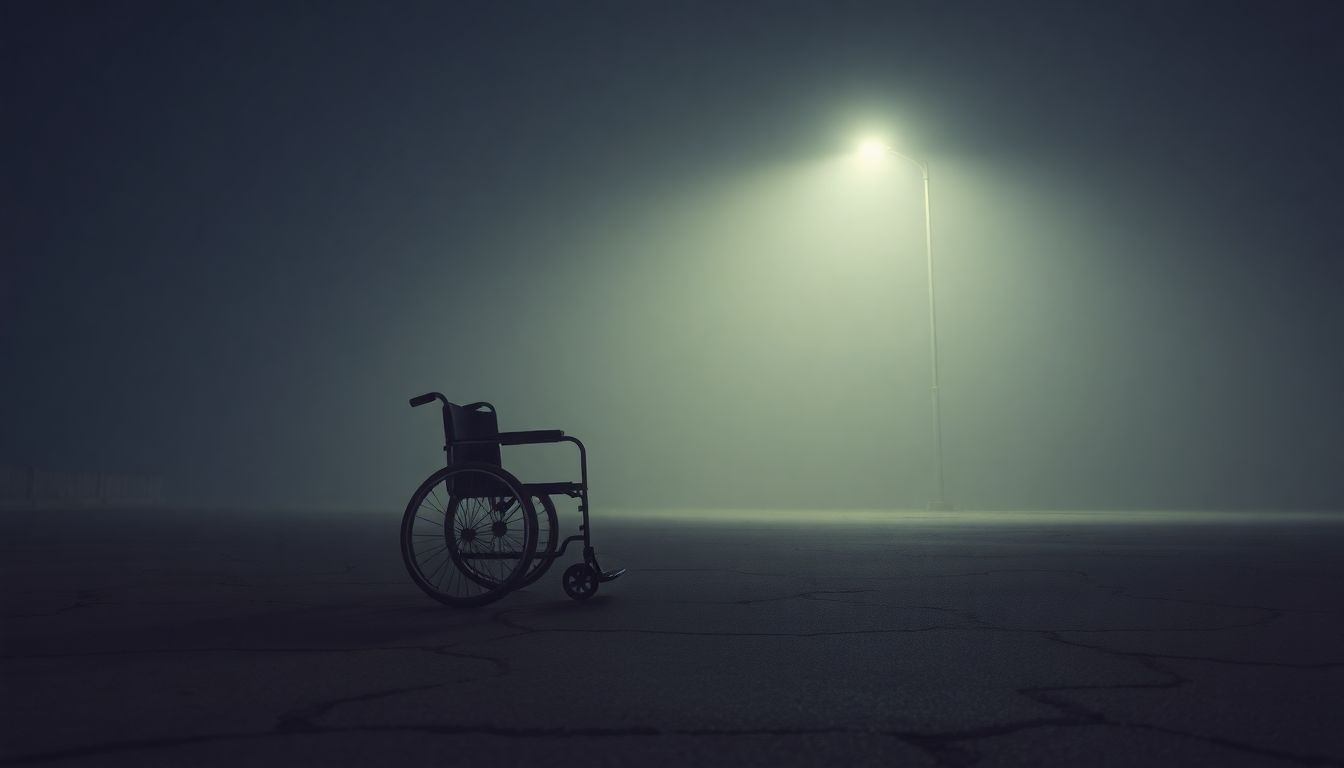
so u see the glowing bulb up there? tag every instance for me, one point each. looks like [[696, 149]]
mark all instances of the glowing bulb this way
[[872, 150]]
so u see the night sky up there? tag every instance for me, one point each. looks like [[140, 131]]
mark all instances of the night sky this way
[[238, 236]]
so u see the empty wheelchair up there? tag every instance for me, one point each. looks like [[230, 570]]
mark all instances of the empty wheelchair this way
[[473, 532]]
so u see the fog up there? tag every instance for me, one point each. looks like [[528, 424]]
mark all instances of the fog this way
[[240, 248]]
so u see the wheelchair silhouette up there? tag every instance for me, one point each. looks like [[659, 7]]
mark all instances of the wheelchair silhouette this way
[[473, 532]]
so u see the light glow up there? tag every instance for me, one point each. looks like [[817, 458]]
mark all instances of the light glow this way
[[872, 150]]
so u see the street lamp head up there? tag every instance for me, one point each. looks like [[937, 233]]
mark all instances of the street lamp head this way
[[872, 150]]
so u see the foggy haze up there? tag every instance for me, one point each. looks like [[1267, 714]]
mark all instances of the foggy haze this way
[[238, 240]]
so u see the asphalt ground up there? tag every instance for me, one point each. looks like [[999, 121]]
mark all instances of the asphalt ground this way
[[181, 637]]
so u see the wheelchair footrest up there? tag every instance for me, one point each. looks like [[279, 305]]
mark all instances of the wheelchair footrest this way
[[611, 575]]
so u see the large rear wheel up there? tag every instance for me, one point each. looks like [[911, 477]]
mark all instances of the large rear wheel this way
[[469, 534]]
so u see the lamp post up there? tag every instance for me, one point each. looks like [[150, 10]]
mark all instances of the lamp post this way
[[875, 150]]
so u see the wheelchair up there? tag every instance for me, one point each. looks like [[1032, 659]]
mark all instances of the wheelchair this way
[[473, 532]]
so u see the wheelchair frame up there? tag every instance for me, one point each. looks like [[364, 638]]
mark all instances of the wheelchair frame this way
[[578, 582]]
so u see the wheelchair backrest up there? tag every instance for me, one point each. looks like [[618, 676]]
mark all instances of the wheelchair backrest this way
[[472, 422]]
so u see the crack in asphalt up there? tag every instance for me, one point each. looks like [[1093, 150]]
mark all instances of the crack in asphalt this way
[[945, 747], [1181, 657], [303, 719], [1082, 715]]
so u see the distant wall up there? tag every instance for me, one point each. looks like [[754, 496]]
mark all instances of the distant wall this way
[[27, 486]]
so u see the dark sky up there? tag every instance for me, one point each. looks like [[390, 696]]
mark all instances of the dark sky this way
[[237, 236]]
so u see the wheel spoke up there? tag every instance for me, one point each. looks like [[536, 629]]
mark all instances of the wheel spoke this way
[[437, 504]]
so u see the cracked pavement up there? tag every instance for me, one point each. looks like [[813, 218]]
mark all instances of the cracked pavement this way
[[186, 637]]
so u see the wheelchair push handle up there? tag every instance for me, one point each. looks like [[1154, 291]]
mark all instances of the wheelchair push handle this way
[[428, 397]]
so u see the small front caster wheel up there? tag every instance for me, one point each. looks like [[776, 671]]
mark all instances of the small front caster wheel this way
[[580, 581]]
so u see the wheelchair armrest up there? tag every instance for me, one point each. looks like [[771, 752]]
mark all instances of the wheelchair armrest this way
[[531, 436]]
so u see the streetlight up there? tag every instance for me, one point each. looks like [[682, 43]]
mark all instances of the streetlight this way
[[873, 150]]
